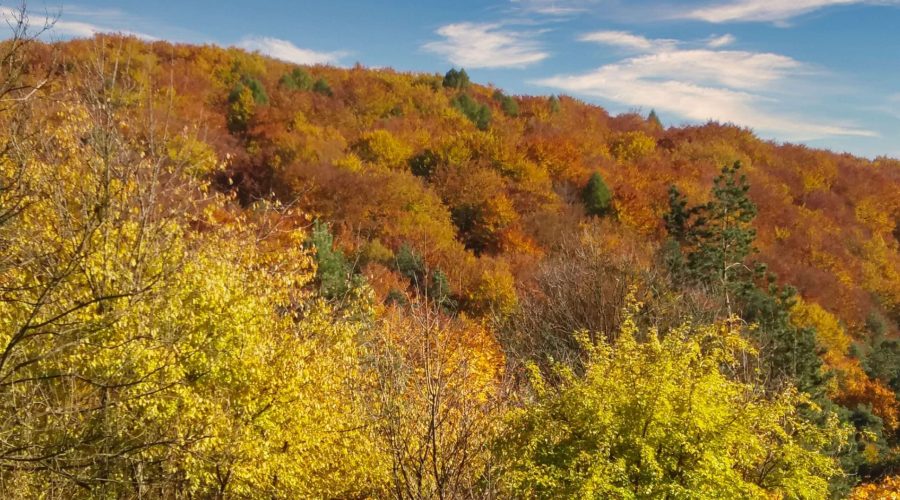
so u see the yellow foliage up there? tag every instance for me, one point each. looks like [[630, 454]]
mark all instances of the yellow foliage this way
[[382, 148], [192, 155], [658, 417], [881, 270], [179, 354], [829, 332], [872, 212], [350, 162], [632, 146], [887, 489], [495, 292], [437, 389]]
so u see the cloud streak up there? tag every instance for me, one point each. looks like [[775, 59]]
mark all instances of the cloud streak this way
[[486, 45], [287, 51], [626, 40], [768, 10], [700, 84], [720, 41], [66, 28]]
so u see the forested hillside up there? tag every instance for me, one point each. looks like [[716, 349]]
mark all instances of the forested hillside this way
[[226, 276]]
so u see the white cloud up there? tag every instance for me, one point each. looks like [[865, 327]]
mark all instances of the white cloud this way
[[66, 28], [485, 45], [720, 41], [703, 84], [553, 7], [767, 10], [287, 51], [626, 40]]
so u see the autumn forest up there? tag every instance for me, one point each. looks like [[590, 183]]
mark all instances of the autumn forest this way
[[223, 275]]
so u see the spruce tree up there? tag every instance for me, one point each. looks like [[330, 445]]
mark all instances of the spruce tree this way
[[710, 247], [726, 234], [596, 196], [456, 79], [333, 272]]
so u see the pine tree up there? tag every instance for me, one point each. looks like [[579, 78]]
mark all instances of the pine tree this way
[[508, 104], [322, 87], [596, 196], [456, 79], [333, 271], [710, 245], [298, 79], [726, 235], [478, 113]]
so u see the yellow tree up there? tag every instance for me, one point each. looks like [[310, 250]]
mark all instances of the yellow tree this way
[[151, 344], [437, 399], [655, 416]]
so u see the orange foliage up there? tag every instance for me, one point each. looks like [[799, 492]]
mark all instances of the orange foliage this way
[[496, 203], [887, 489]]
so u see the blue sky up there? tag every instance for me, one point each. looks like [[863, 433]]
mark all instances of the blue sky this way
[[821, 72]]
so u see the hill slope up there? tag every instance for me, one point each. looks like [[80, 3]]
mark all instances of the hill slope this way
[[442, 192]]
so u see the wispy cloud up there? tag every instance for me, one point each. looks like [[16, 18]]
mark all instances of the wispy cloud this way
[[626, 40], [67, 28], [767, 10], [287, 51], [486, 45], [553, 7], [701, 84], [720, 41]]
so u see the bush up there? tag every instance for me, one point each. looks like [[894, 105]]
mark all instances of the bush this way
[[661, 417]]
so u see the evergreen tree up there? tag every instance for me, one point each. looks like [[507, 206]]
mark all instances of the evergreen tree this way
[[256, 88], [333, 272], [242, 101], [727, 237], [716, 238], [790, 353], [456, 79], [508, 104], [710, 245], [297, 79], [596, 196], [410, 264], [479, 114], [322, 87], [439, 291]]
